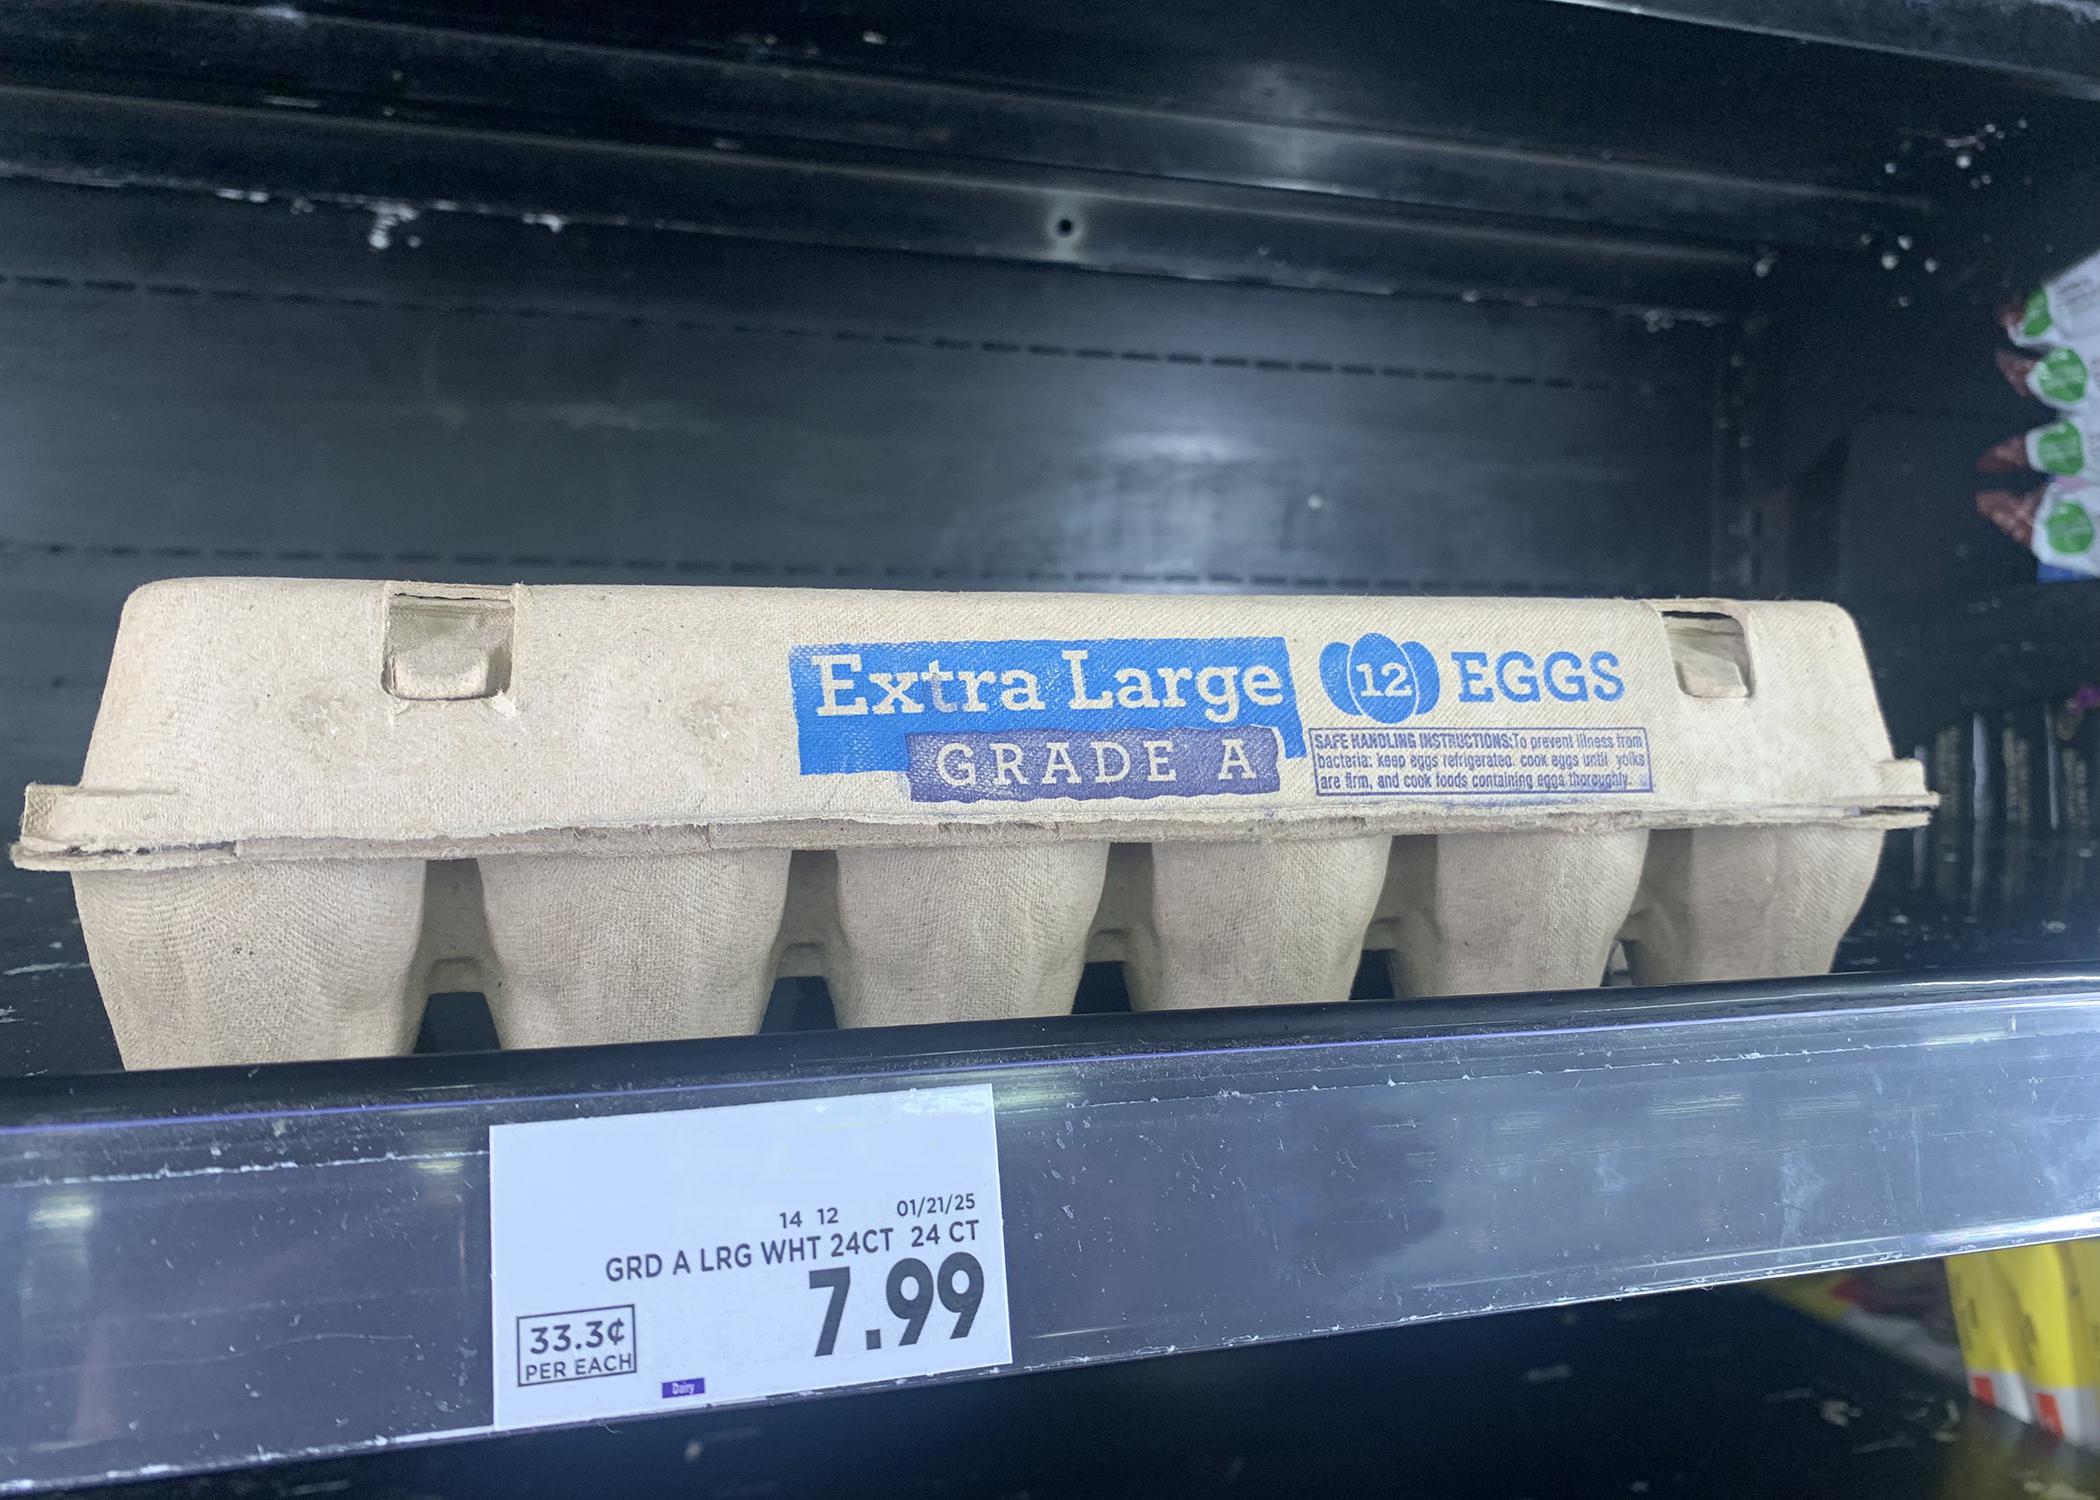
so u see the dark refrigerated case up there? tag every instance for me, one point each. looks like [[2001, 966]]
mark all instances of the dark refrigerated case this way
[[1511, 297]]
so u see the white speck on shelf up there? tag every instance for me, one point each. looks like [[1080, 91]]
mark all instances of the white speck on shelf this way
[[1899, 919], [386, 218], [1068, 1212], [241, 195], [38, 969], [873, 38], [288, 13], [415, 242], [1888, 260], [1963, 159], [54, 946], [1889, 167], [1931, 265], [1841, 1413], [1547, 1374], [7, 1014], [552, 223], [1903, 242], [1469, 295], [1315, 502], [1765, 262], [2051, 927]]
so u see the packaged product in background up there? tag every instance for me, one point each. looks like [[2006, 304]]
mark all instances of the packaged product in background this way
[[1901, 1308], [2082, 1262], [2012, 513], [2060, 310], [2059, 522], [2062, 378], [1987, 1320], [2062, 1362], [2066, 526], [2069, 449]]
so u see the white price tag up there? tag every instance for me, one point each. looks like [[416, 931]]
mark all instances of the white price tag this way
[[646, 1263]]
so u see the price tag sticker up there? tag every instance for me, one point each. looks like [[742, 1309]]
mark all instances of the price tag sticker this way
[[650, 1263]]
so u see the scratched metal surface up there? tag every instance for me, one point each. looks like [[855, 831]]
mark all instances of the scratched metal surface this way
[[1683, 1397], [1171, 1183]]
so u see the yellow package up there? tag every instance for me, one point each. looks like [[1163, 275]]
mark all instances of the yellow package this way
[[2062, 1361], [1993, 1336]]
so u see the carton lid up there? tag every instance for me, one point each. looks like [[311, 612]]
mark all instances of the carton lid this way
[[275, 718]]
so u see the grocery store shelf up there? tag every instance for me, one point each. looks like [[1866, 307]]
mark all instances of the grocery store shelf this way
[[1958, 895], [2047, 41], [1380, 150], [1696, 1396], [222, 1267], [1939, 657], [668, 98]]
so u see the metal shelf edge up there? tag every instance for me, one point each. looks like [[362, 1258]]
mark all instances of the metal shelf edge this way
[[227, 1266]]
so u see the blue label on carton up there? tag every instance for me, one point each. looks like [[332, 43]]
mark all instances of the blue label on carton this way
[[967, 720], [1021, 764]]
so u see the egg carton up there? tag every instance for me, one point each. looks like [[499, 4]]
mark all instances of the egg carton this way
[[620, 813]]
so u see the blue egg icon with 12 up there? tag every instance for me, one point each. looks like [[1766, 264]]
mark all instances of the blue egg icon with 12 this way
[[1379, 677]]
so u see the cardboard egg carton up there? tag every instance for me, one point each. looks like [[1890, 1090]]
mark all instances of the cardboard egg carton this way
[[621, 813]]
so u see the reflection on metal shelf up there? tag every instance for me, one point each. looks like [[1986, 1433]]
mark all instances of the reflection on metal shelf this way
[[2048, 43], [1962, 894], [212, 1268], [1722, 1397]]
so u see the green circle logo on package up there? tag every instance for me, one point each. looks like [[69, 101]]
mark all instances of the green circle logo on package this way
[[2069, 528], [2060, 449], [2061, 377], [2034, 322]]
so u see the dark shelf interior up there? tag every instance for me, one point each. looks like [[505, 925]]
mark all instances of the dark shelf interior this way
[[1464, 296]]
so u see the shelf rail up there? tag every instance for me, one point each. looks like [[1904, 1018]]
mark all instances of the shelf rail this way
[[222, 1267]]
